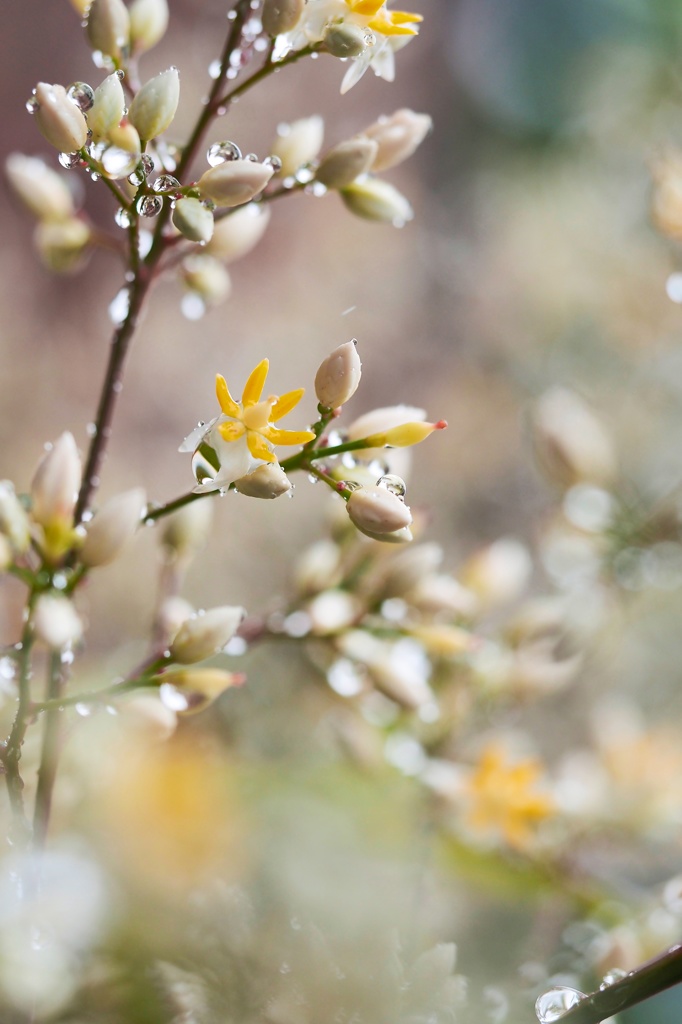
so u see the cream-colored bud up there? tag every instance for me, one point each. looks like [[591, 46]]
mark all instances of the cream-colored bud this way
[[148, 23], [440, 593], [193, 220], [80, 6], [280, 16], [205, 634], [268, 481], [206, 276], [236, 235], [108, 27], [13, 519], [346, 162], [113, 526], [122, 155], [378, 200], [199, 686], [41, 190], [338, 376], [667, 196], [54, 489], [379, 421], [149, 716], [171, 615], [319, 567], [397, 137], [153, 109], [187, 530], [59, 120], [107, 109], [234, 182], [399, 575], [571, 444], [377, 511], [56, 622], [345, 40], [298, 143], [499, 573], [61, 243], [6, 553], [333, 611], [403, 536]]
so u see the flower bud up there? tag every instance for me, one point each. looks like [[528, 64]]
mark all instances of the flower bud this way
[[346, 162], [108, 27], [59, 120], [236, 235], [148, 23], [298, 143], [80, 6], [377, 511], [234, 182], [61, 243], [405, 435], [378, 200], [6, 554], [153, 109], [107, 109], [380, 421], [187, 530], [345, 40], [268, 481], [122, 156], [171, 615], [206, 634], [56, 622], [149, 716], [54, 490], [338, 376], [333, 611], [13, 519], [193, 220], [443, 640], [206, 276], [667, 196], [199, 687], [319, 567], [499, 573], [397, 137], [571, 444], [40, 189], [112, 528], [280, 16]]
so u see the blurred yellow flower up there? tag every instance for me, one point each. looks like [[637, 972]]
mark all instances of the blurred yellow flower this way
[[504, 799]]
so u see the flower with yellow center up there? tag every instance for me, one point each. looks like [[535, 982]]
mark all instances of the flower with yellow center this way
[[241, 438], [504, 799]]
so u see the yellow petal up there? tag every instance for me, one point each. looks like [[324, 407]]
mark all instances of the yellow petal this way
[[227, 402], [386, 27], [404, 17], [277, 436], [366, 7], [285, 403], [258, 447], [231, 431], [253, 388]]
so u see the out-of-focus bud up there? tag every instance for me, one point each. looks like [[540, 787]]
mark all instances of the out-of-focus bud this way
[[269, 481], [171, 615], [499, 573], [6, 554], [403, 679], [338, 376], [40, 188], [666, 208], [280, 16], [61, 244], [405, 435], [108, 107], [346, 162], [546, 648], [196, 688], [207, 277], [56, 622], [122, 156], [112, 528], [400, 574], [298, 143], [108, 27], [378, 200], [153, 109], [237, 234], [379, 421], [206, 634], [80, 6], [234, 182], [148, 715], [571, 444], [397, 137], [333, 611], [59, 120], [443, 640], [148, 23], [376, 511], [54, 490], [193, 220], [440, 593], [345, 40], [319, 567], [13, 519], [187, 530]]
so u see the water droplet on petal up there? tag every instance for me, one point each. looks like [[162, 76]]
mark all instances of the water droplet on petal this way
[[166, 183], [120, 74], [349, 485], [172, 698], [394, 484], [119, 306], [149, 206], [122, 217], [82, 94], [552, 1005], [32, 105], [219, 152], [117, 162], [253, 157], [304, 175], [274, 162], [612, 976], [70, 160]]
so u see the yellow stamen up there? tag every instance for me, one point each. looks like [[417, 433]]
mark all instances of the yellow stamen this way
[[231, 431]]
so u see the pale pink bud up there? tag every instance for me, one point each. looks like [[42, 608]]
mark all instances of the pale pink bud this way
[[338, 376], [193, 220], [235, 181], [58, 119], [148, 23], [346, 162], [54, 490], [61, 244], [113, 526], [280, 16], [236, 235], [298, 143], [153, 109], [108, 27], [206, 634], [41, 190], [56, 622], [108, 107], [378, 200], [268, 481], [377, 511], [397, 137]]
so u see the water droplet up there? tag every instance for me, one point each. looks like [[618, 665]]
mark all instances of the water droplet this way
[[149, 206], [120, 74], [345, 679], [122, 217], [102, 60], [145, 239], [317, 189], [253, 157], [231, 15], [59, 581], [70, 160], [394, 484], [349, 485], [166, 183], [84, 710], [82, 94], [304, 175], [142, 171], [8, 668], [369, 37], [214, 69], [67, 656], [219, 152], [612, 976], [172, 698], [95, 176], [298, 624], [552, 1005], [32, 105], [117, 162], [192, 306], [119, 306], [274, 162], [285, 968], [117, 387]]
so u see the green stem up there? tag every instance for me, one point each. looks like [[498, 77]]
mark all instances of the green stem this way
[[153, 514], [305, 456], [121, 197], [142, 676], [267, 69], [11, 753], [49, 755]]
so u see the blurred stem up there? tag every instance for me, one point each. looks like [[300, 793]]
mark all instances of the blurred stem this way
[[49, 754], [11, 753], [152, 514], [142, 676]]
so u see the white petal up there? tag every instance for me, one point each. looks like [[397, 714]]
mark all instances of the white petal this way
[[235, 460], [194, 439], [355, 72], [383, 63]]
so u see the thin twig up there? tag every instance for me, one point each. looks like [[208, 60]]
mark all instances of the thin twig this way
[[49, 755]]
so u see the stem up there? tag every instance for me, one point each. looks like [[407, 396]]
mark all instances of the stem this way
[[49, 755], [153, 514], [11, 754], [143, 675], [120, 196]]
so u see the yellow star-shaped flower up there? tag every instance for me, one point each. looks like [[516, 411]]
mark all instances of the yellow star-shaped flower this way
[[504, 798]]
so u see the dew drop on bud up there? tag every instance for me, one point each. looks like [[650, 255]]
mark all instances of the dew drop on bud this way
[[82, 94], [552, 1005], [166, 182], [394, 484], [32, 105], [274, 162], [69, 160], [349, 485], [612, 976], [253, 157], [117, 162], [172, 698], [120, 74], [122, 217], [149, 206], [219, 152]]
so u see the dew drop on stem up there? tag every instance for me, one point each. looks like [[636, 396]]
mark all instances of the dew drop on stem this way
[[552, 1005]]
